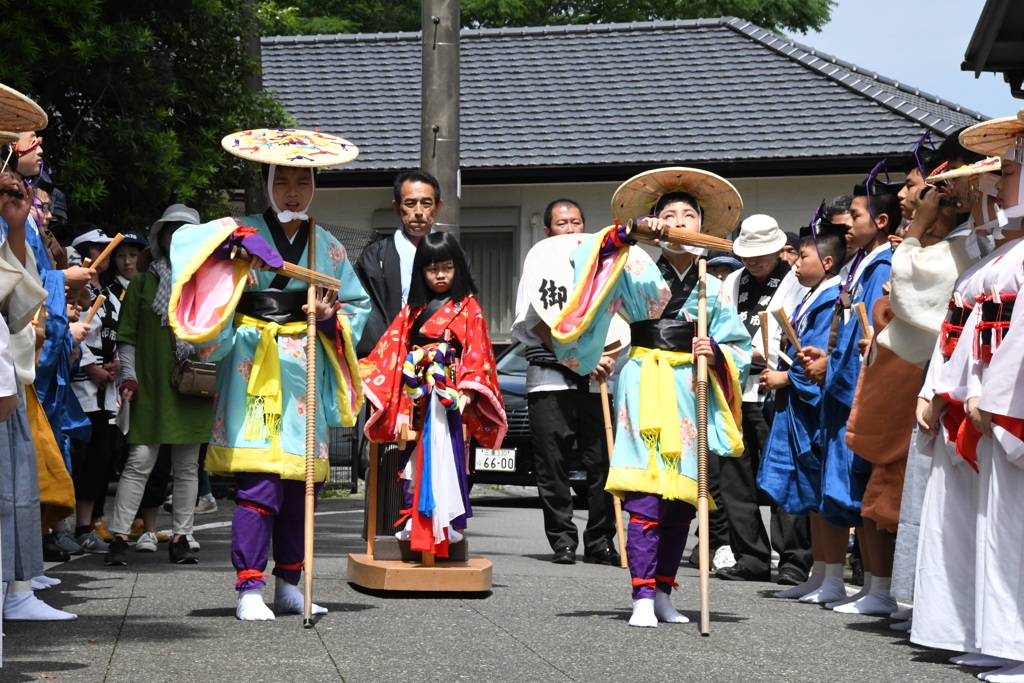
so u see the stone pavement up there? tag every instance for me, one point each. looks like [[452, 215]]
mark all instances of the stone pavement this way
[[154, 622]]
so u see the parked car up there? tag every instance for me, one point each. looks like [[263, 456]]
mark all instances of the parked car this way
[[513, 463]]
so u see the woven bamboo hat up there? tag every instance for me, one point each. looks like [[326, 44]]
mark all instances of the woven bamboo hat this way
[[290, 147], [720, 203], [18, 113], [7, 137], [986, 165], [993, 137]]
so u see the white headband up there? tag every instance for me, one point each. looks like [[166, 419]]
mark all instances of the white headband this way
[[288, 216]]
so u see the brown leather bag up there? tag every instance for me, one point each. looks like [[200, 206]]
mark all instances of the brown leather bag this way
[[193, 378]]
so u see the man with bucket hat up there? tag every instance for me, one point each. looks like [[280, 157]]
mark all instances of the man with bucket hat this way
[[765, 283]]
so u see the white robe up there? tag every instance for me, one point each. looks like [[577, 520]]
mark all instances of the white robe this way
[[944, 590]]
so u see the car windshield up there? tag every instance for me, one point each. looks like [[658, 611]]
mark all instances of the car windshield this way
[[512, 361]]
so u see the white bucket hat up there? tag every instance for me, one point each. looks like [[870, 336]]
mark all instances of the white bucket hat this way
[[759, 236]]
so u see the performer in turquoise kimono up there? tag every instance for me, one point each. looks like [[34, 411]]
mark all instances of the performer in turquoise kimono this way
[[874, 213], [790, 470], [252, 322], [654, 462]]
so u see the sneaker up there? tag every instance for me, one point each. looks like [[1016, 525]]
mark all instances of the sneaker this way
[[53, 552], [192, 543], [100, 529], [146, 543], [180, 552], [91, 543], [117, 554], [205, 506], [168, 505], [723, 558], [66, 542]]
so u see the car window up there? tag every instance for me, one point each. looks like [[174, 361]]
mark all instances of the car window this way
[[513, 361]]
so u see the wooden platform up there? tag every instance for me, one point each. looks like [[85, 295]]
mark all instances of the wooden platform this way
[[393, 575]]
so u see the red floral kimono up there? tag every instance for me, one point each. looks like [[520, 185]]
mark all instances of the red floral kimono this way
[[462, 325]]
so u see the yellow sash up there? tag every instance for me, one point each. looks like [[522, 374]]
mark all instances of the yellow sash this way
[[264, 403]]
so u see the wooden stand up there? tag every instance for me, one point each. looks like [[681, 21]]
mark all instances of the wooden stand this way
[[428, 573]]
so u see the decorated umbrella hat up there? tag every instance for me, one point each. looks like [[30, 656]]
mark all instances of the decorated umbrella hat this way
[[986, 165], [290, 147], [996, 136]]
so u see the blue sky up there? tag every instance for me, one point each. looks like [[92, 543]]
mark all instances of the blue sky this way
[[920, 43]]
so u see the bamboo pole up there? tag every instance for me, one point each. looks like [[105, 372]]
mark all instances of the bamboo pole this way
[[702, 455], [307, 563]]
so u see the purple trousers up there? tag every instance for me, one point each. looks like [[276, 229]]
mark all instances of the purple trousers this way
[[655, 541], [268, 508]]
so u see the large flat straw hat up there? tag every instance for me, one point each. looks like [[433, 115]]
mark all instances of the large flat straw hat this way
[[986, 165], [18, 113], [720, 203], [7, 137], [290, 147], [993, 137]]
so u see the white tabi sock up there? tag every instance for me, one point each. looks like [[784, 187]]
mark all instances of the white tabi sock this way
[[454, 536], [878, 600], [405, 532], [856, 596], [41, 582], [664, 610], [832, 587], [812, 583], [643, 614], [902, 625], [902, 615], [978, 659], [21, 604], [1011, 673], [251, 606], [288, 599]]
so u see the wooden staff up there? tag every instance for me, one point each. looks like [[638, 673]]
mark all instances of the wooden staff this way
[[620, 534], [307, 563], [106, 252], [95, 307], [704, 539]]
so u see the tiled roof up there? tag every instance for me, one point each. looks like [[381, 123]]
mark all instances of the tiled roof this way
[[710, 92]]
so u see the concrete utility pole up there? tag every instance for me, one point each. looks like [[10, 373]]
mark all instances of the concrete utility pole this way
[[255, 202], [439, 118]]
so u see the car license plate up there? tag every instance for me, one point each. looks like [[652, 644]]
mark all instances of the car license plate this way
[[496, 459]]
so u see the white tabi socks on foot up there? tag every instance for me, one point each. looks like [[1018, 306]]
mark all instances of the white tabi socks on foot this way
[[1011, 673], [978, 659], [902, 615], [878, 599], [42, 582], [21, 604], [902, 625], [288, 599], [812, 583], [251, 606], [405, 533], [664, 610], [832, 587], [643, 614], [856, 596]]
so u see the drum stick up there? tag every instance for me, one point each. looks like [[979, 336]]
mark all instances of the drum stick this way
[[95, 307], [106, 252]]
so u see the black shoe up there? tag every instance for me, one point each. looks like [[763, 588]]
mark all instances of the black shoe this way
[[181, 553], [117, 553], [738, 572], [790, 576], [53, 552], [564, 556], [606, 556]]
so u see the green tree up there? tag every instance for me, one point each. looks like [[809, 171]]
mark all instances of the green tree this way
[[296, 17], [139, 95]]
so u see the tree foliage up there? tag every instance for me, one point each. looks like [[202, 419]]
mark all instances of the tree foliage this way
[[139, 95], [296, 17]]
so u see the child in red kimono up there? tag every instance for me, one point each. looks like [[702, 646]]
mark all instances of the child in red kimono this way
[[436, 355]]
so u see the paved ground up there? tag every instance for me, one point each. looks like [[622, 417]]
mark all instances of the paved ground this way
[[155, 622]]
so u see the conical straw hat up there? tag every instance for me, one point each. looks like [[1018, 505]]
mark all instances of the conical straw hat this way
[[290, 147], [993, 137], [18, 113], [986, 165], [719, 201]]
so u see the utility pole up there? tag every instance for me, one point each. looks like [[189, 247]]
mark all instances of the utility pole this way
[[439, 108], [255, 202]]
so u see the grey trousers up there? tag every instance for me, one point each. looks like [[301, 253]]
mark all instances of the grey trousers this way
[[20, 538], [141, 458]]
